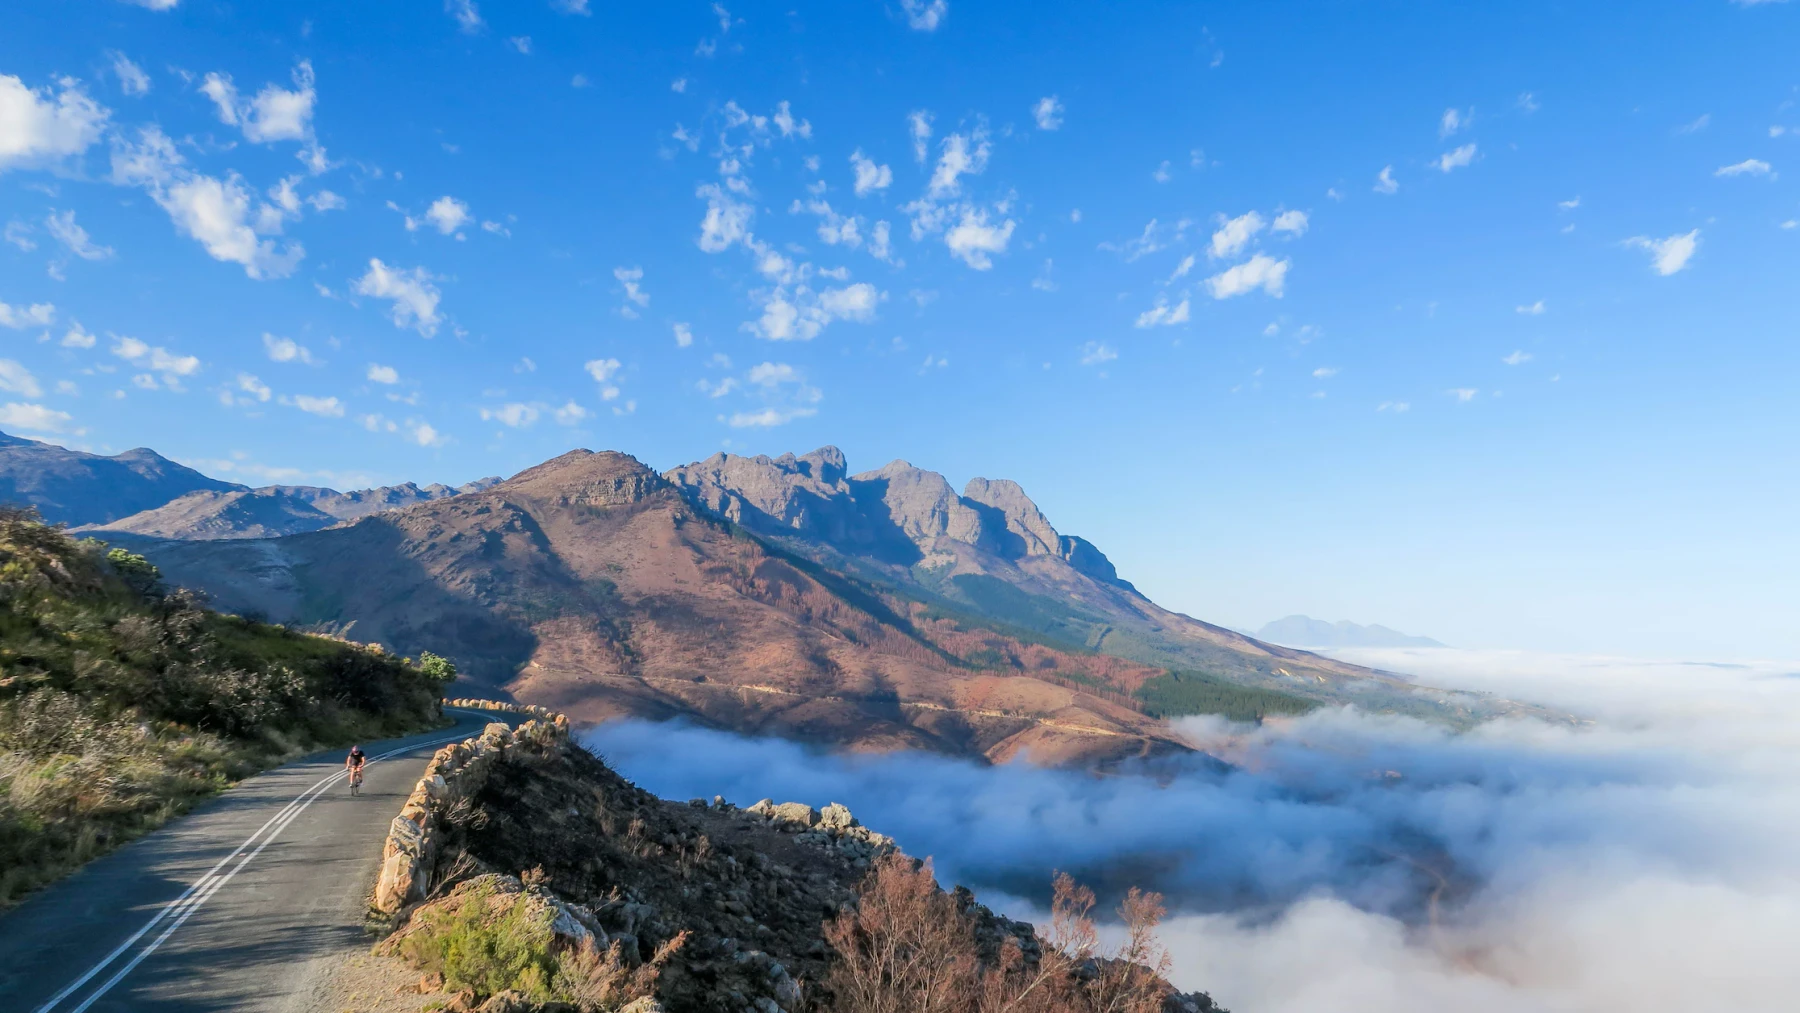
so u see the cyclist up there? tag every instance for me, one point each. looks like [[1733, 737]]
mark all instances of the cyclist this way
[[354, 764]]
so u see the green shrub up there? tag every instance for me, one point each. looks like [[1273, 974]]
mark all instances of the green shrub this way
[[474, 949], [122, 703]]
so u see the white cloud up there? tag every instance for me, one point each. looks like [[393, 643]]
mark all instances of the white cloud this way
[[1095, 353], [570, 414], [769, 417], [770, 374], [1164, 315], [77, 338], [1325, 372], [1385, 182], [805, 314], [446, 214], [19, 234], [521, 44], [879, 247], [925, 15], [1668, 255], [1048, 112], [424, 435], [1163, 172], [634, 293], [1291, 221], [1527, 103], [572, 6], [20, 317], [1392, 406], [973, 240], [683, 336], [1695, 126], [1182, 269], [918, 127], [1463, 395], [34, 417], [414, 297], [869, 176], [1748, 167], [516, 415], [1533, 310], [1234, 234], [286, 350], [1516, 358], [156, 359], [132, 79], [1261, 271], [602, 370], [964, 155], [18, 380], [325, 407], [727, 219], [275, 114], [679, 85], [216, 213], [1156, 236], [1453, 121], [1456, 159], [467, 16], [254, 387], [39, 127], [1569, 205], [383, 374], [790, 127]]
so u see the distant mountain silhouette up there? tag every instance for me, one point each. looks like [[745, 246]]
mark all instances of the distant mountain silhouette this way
[[1305, 631], [73, 487]]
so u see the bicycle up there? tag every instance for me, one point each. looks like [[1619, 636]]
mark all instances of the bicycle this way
[[356, 780]]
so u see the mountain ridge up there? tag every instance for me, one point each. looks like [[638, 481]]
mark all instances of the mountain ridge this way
[[1305, 631]]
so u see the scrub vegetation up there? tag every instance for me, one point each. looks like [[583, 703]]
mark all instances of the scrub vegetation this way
[[124, 702]]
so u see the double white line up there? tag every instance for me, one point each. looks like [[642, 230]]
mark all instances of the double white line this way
[[183, 907]]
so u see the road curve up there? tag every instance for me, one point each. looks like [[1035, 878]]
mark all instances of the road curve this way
[[244, 904]]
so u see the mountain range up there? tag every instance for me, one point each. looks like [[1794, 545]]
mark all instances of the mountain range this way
[[785, 596], [1305, 631], [140, 492]]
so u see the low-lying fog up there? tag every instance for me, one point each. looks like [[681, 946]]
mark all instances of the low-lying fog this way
[[1648, 861]]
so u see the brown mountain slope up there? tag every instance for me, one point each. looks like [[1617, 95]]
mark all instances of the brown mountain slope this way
[[993, 553], [591, 584]]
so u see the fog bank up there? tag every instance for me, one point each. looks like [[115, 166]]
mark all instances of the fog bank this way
[[1646, 861]]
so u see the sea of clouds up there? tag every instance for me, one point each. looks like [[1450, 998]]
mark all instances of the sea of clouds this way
[[1647, 859]]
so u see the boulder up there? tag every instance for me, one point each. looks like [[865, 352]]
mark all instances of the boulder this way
[[796, 814]]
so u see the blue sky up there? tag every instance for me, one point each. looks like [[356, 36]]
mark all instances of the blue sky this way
[[1474, 322]]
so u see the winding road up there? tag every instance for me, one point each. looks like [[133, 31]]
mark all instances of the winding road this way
[[244, 904]]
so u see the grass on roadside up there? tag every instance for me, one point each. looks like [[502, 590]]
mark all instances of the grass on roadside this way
[[124, 703]]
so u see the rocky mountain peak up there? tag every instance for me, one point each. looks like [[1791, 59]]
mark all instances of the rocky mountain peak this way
[[1021, 518], [587, 478], [920, 503]]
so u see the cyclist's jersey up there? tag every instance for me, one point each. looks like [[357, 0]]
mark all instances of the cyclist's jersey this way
[[355, 760]]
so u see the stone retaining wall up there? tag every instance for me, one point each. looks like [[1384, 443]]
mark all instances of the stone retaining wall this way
[[456, 773]]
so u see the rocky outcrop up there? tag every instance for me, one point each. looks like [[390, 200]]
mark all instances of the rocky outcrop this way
[[454, 775]]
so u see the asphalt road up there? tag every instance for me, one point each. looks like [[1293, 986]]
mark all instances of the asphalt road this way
[[244, 904]]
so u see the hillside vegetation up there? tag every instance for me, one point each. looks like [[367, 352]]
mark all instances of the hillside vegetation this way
[[123, 703]]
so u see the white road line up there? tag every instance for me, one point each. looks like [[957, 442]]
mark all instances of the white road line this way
[[194, 896]]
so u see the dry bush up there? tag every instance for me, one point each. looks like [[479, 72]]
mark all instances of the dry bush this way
[[907, 948], [599, 981]]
